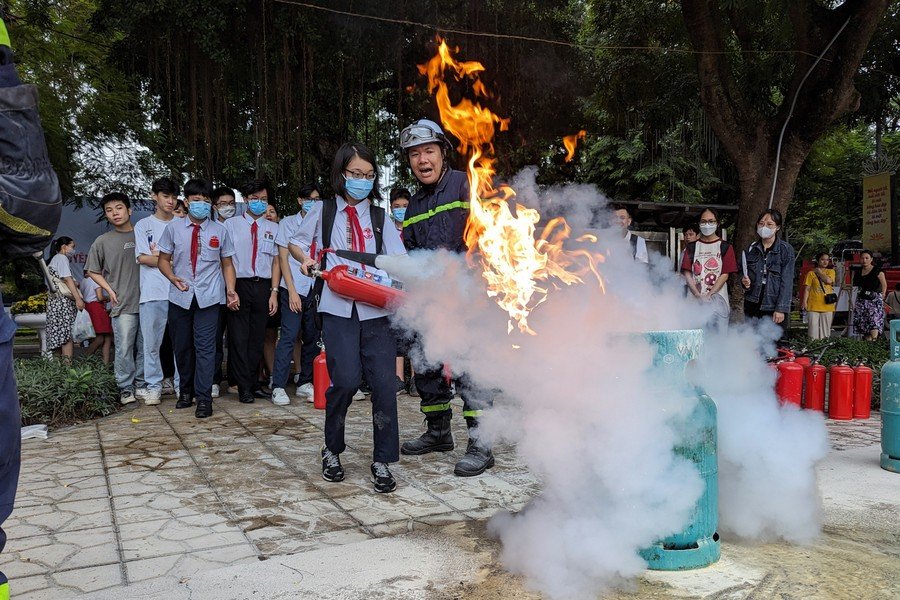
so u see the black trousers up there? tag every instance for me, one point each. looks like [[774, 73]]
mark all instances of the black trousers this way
[[220, 348], [247, 331], [752, 311], [435, 395], [309, 336], [193, 333], [167, 355], [354, 347]]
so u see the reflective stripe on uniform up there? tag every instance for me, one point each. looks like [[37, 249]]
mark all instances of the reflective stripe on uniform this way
[[436, 407], [474, 414], [439, 209], [21, 225], [4, 591]]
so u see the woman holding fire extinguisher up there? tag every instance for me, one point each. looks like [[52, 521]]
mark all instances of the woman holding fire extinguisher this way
[[358, 337]]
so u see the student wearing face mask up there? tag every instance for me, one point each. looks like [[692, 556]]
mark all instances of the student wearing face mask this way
[[399, 201], [769, 276], [706, 265], [225, 207], [297, 309], [258, 278], [62, 308]]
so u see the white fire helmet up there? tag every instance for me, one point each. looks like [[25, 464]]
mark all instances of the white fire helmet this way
[[422, 132]]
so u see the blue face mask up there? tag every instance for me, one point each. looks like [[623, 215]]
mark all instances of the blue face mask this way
[[257, 207], [359, 188], [199, 209], [399, 214], [308, 205]]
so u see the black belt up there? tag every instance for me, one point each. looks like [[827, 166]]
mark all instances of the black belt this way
[[254, 279]]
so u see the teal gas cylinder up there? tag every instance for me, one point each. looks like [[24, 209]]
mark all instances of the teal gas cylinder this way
[[890, 404], [697, 545]]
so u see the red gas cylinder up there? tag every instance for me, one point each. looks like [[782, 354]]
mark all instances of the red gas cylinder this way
[[321, 380], [815, 387], [840, 393], [803, 361], [789, 385], [362, 289], [862, 391]]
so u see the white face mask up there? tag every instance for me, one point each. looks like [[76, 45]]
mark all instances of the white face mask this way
[[765, 232], [708, 228], [226, 211]]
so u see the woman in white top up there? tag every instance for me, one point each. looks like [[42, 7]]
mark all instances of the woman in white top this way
[[61, 310]]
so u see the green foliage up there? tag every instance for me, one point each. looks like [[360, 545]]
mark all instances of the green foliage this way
[[839, 349], [56, 393]]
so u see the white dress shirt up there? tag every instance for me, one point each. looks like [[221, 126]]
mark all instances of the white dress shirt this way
[[311, 230], [287, 229], [239, 232], [208, 283]]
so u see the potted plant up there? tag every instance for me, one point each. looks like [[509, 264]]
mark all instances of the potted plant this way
[[32, 313]]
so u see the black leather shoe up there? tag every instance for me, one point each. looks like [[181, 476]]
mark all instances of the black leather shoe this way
[[246, 398], [261, 394], [204, 409], [184, 401]]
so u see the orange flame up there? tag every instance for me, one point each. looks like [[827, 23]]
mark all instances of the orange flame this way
[[513, 260], [570, 142]]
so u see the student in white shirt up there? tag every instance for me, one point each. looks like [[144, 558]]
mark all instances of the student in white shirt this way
[[258, 277], [195, 256], [154, 309], [358, 337], [637, 245]]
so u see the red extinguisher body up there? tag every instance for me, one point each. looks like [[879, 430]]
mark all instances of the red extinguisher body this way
[[815, 387], [360, 289], [321, 380], [803, 361], [789, 385], [840, 393], [862, 392]]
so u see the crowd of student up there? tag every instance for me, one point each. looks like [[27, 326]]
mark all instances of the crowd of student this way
[[195, 275]]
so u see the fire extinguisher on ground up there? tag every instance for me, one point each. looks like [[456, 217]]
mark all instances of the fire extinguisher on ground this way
[[840, 391], [862, 390], [815, 386], [321, 379], [789, 385]]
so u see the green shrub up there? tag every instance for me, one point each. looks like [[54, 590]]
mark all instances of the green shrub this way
[[56, 393], [875, 354]]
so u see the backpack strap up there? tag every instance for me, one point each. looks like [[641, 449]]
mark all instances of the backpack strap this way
[[378, 215], [633, 239]]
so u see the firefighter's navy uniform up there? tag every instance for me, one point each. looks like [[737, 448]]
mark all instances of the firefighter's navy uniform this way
[[436, 219]]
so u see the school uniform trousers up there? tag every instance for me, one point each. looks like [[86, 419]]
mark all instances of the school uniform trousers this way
[[193, 333], [356, 348], [247, 329]]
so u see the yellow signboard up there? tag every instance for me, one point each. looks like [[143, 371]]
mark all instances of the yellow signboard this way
[[877, 213]]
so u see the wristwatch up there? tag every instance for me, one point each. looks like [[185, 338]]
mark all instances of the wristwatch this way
[[273, 290]]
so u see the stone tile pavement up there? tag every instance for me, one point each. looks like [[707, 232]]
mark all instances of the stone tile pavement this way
[[152, 492]]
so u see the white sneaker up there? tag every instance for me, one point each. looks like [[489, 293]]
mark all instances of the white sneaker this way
[[168, 389], [359, 395], [215, 390], [127, 397], [151, 397], [141, 393], [305, 390], [280, 397]]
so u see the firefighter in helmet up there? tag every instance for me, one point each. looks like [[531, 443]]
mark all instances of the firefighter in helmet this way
[[436, 218]]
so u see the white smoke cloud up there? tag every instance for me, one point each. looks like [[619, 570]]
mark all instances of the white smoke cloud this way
[[590, 418]]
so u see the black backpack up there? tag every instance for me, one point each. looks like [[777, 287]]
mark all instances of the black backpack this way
[[329, 212]]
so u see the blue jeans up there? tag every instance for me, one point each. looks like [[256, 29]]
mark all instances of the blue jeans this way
[[194, 338], [153, 317], [127, 336], [292, 324]]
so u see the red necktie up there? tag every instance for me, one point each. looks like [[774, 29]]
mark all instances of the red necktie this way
[[356, 235], [195, 247], [253, 230]]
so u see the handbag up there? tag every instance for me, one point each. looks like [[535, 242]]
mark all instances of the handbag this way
[[828, 298], [61, 288]]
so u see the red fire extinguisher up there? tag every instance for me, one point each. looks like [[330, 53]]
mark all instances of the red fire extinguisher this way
[[862, 391], [789, 385], [803, 361], [815, 387], [321, 380], [840, 393], [361, 289]]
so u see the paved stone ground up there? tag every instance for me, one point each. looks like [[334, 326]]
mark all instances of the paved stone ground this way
[[151, 497], [154, 492]]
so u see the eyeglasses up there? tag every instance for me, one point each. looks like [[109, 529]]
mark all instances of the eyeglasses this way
[[360, 175]]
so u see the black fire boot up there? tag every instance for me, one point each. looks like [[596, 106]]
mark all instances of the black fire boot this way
[[184, 401], [204, 409], [475, 461], [437, 438]]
